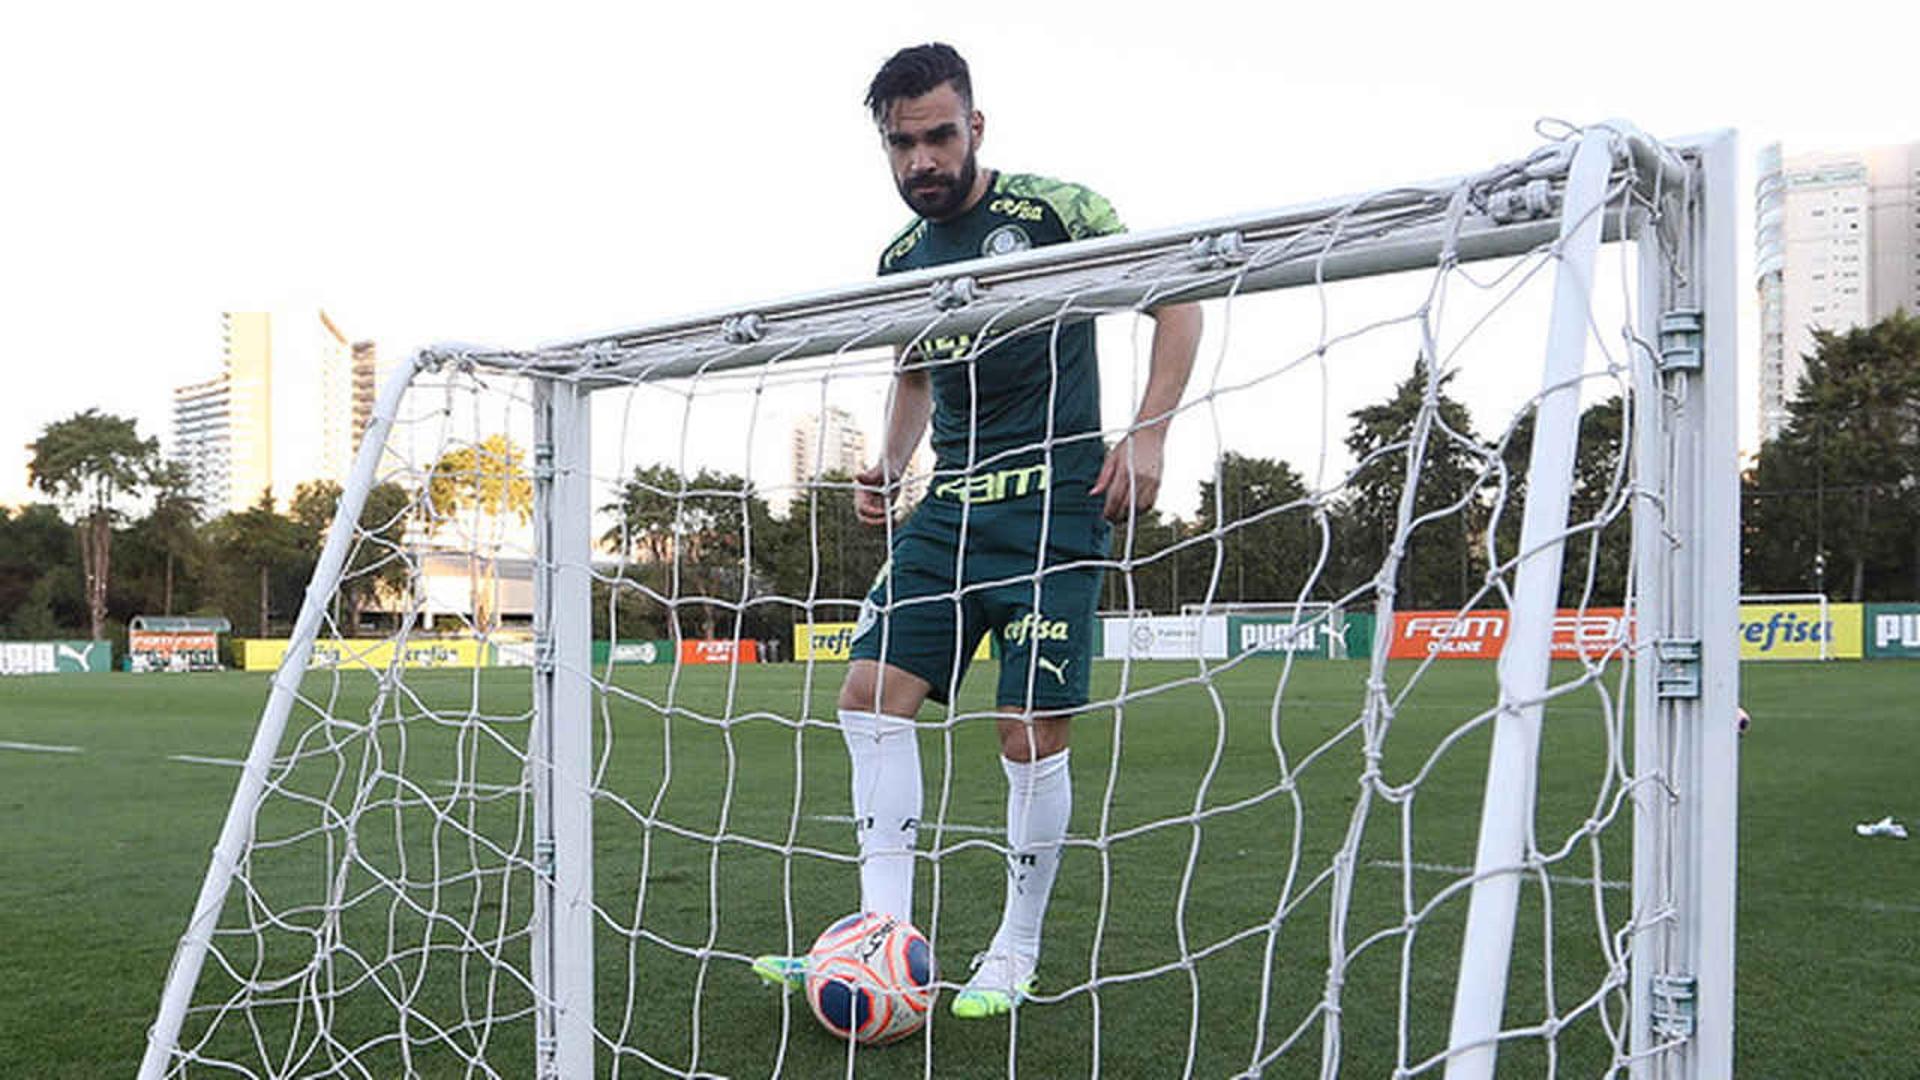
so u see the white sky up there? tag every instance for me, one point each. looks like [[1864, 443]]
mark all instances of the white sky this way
[[519, 173]]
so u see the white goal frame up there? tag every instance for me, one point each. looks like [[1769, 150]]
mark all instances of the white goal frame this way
[[1684, 647]]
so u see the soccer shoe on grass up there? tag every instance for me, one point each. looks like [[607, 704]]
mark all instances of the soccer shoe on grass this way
[[999, 984], [785, 972]]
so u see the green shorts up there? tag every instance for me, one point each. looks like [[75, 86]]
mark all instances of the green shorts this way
[[928, 608]]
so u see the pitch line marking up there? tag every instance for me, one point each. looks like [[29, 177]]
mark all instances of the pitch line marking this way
[[196, 759], [1462, 871], [40, 748]]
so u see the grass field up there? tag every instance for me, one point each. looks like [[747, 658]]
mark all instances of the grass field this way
[[104, 848]]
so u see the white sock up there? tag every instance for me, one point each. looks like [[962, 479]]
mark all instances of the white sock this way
[[1039, 802], [886, 807]]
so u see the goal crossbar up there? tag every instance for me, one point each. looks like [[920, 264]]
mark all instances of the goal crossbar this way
[[1510, 211]]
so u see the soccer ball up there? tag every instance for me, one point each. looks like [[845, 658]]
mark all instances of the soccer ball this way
[[870, 978], [1742, 721]]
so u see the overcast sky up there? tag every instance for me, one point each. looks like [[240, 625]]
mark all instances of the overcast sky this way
[[520, 173]]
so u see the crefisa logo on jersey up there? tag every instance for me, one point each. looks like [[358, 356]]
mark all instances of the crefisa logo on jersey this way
[[1006, 240]]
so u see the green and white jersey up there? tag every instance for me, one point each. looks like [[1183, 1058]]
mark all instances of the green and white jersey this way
[[991, 397]]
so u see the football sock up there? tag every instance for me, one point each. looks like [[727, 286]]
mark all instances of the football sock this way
[[1039, 802], [886, 807]]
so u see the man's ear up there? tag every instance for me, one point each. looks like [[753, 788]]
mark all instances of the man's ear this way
[[977, 125]]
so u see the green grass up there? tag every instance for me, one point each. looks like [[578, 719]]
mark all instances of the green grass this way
[[104, 851]]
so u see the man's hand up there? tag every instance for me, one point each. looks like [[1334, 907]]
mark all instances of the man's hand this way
[[873, 495], [1130, 478]]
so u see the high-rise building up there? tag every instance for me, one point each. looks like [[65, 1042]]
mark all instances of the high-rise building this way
[[829, 441], [282, 411], [1837, 237]]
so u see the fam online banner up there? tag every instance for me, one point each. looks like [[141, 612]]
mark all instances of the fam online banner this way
[[1480, 635]]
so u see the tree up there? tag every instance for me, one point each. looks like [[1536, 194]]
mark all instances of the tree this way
[[488, 478], [1596, 507], [1839, 490], [40, 593], [377, 560], [689, 538], [258, 544], [172, 524], [1266, 554], [92, 460], [1442, 564]]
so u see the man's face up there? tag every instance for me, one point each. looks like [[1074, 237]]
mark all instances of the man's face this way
[[931, 141]]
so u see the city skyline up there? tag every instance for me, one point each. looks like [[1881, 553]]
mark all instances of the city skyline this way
[[1836, 246], [286, 408]]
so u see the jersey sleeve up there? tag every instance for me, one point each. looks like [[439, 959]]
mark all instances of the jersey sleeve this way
[[902, 243], [1085, 212]]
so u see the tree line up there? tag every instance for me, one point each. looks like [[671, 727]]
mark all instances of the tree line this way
[[1832, 505]]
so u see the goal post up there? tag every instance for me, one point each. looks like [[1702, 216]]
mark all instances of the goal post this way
[[432, 870]]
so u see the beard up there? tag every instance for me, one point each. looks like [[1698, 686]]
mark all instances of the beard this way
[[944, 200]]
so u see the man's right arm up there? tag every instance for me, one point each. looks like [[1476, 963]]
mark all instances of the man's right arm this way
[[906, 422]]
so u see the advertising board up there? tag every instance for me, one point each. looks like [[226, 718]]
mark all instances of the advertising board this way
[[265, 654], [1893, 631], [1480, 635], [54, 657], [1796, 632], [1164, 637]]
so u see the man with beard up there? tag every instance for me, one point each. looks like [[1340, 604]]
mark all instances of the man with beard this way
[[1016, 519]]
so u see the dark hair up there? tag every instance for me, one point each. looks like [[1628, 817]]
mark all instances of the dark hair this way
[[914, 71]]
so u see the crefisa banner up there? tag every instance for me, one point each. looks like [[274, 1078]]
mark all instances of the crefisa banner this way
[[54, 657], [1797, 632]]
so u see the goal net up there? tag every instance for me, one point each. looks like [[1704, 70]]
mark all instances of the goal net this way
[[540, 822]]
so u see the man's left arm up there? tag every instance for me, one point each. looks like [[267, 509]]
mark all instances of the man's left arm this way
[[1130, 477]]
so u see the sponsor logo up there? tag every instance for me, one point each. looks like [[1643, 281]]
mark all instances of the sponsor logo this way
[[1483, 634], [1786, 627], [27, 658], [635, 652], [1897, 631], [1009, 206], [1278, 637], [1058, 671], [1006, 240], [719, 651], [1034, 626], [995, 486]]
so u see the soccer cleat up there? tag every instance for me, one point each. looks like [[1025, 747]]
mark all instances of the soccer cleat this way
[[999, 984], [785, 972]]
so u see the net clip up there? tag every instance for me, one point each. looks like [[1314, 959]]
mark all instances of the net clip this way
[[743, 329], [1219, 251], [1680, 340], [543, 655], [1678, 675], [1528, 202], [954, 293], [1673, 1006], [542, 462], [543, 858]]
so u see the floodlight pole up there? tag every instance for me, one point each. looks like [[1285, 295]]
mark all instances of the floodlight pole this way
[[1506, 822], [560, 761]]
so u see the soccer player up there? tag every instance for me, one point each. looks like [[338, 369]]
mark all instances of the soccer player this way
[[1022, 496]]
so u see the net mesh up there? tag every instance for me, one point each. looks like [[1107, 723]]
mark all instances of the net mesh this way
[[1272, 846]]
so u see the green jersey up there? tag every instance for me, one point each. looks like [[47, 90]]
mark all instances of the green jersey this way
[[991, 397]]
